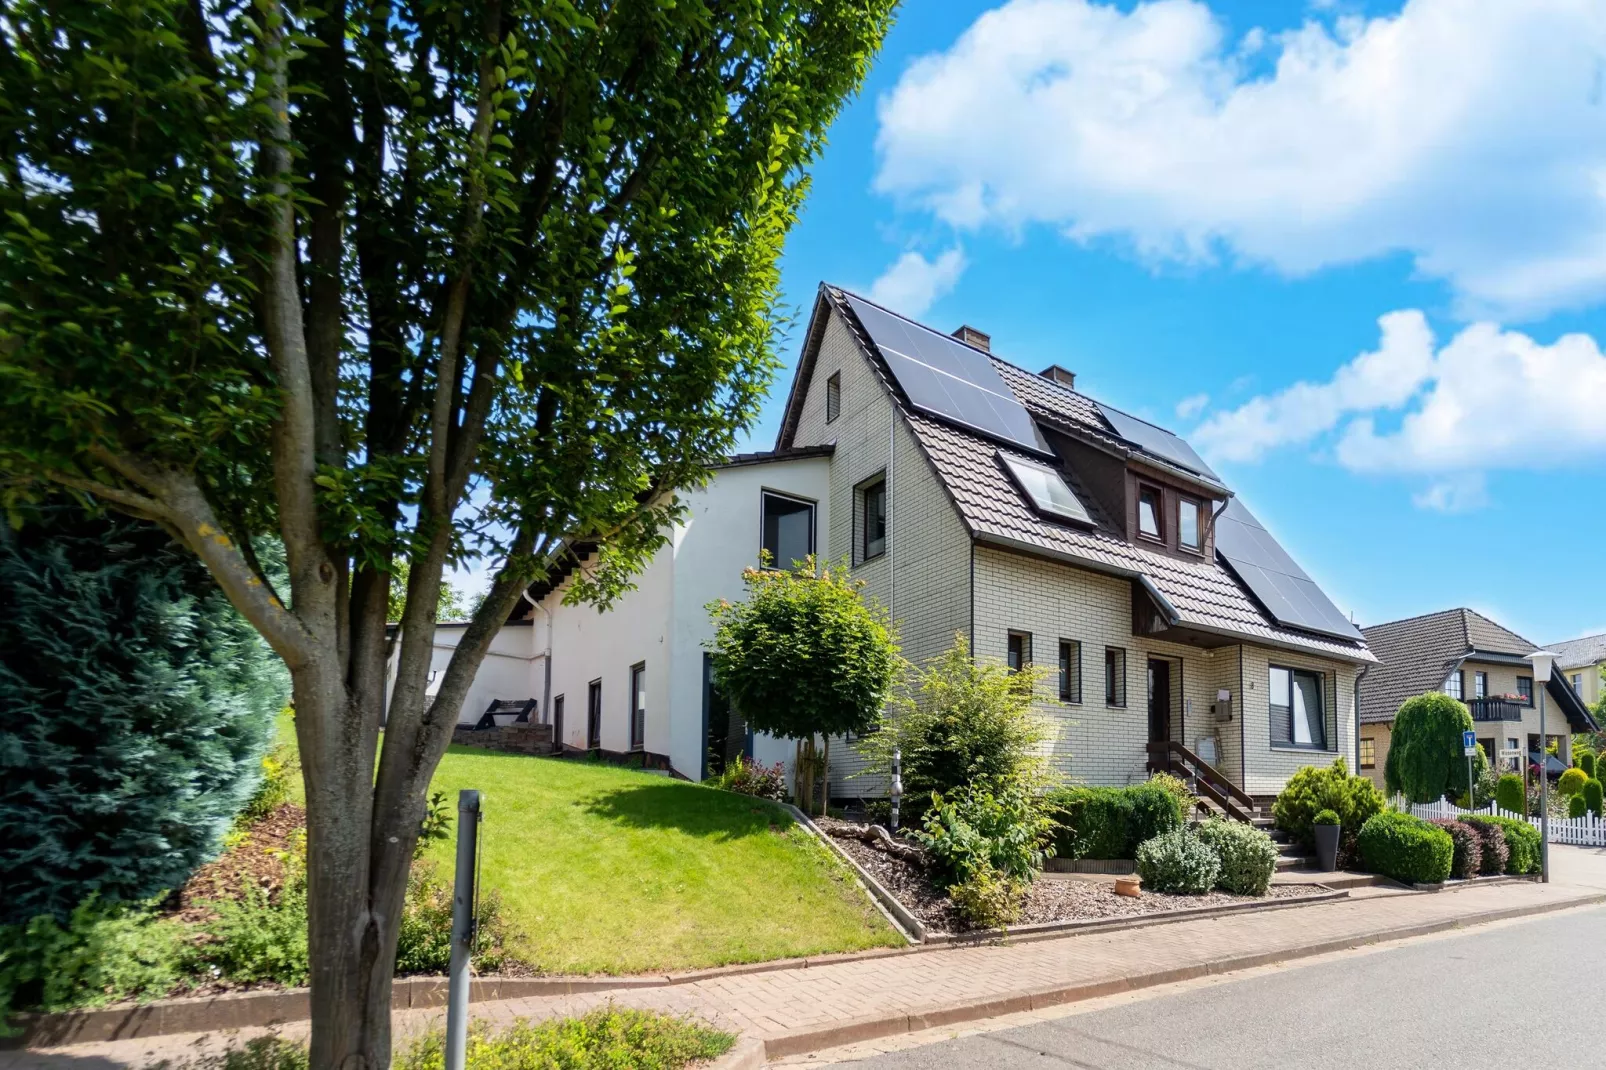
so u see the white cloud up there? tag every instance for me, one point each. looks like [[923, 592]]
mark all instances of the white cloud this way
[[1192, 406], [1470, 134], [1489, 399], [913, 284]]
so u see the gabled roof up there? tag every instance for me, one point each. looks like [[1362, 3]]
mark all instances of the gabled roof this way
[[1417, 654], [1200, 595], [1577, 653]]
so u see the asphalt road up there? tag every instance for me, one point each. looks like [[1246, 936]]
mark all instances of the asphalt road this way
[[1524, 994]]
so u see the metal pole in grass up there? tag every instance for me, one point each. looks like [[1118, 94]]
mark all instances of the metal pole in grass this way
[[463, 892]]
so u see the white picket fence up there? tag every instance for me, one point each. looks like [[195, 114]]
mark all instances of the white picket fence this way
[[1586, 831]]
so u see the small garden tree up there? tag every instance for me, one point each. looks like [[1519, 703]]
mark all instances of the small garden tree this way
[[805, 655], [135, 707], [965, 722], [1425, 758]]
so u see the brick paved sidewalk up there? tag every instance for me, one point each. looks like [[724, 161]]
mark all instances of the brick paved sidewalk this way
[[808, 1008]]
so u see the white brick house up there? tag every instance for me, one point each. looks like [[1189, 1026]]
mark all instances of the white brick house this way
[[1170, 648]]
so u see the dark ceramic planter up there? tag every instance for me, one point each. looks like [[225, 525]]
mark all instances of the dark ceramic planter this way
[[1327, 846]]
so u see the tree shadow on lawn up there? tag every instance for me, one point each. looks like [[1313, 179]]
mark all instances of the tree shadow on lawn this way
[[702, 812]]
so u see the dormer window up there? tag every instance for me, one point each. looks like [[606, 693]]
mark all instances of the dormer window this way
[[1190, 535], [1149, 511], [1046, 489]]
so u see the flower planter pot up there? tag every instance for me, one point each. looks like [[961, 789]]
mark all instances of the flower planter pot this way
[[1130, 886], [1327, 846]]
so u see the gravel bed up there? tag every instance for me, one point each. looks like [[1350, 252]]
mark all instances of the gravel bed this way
[[1057, 897]]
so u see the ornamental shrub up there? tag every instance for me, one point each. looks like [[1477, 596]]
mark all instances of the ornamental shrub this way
[[973, 828], [1468, 860], [1522, 841], [1406, 848], [1509, 795], [1314, 789], [747, 777], [1592, 796], [1576, 806], [1326, 817], [1248, 856], [1571, 782], [987, 898], [1111, 822], [1492, 845], [103, 952], [1586, 762], [135, 708], [1178, 862], [1425, 761], [608, 1038]]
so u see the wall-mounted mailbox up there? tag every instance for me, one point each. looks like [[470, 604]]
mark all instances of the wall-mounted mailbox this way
[[1222, 707]]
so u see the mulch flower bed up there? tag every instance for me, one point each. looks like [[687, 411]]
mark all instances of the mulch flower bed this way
[[258, 860], [1052, 897]]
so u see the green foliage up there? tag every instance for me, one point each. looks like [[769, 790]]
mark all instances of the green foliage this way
[[973, 829], [1576, 806], [1406, 848], [102, 954], [608, 1038], [449, 604], [436, 826], [1186, 800], [987, 898], [1592, 796], [1571, 782], [1326, 817], [804, 654], [1248, 856], [1586, 762], [1111, 822], [1314, 789], [1521, 838], [135, 706], [1509, 794], [271, 1052], [1425, 760], [260, 938], [279, 767], [1468, 859], [424, 944], [747, 777], [1178, 862], [965, 721]]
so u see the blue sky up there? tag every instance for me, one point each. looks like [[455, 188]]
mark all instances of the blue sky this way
[[1198, 207]]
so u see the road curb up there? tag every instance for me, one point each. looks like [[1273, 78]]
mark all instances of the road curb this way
[[748, 1054], [878, 1026]]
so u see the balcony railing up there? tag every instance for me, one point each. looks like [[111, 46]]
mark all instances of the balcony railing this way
[[1495, 709]]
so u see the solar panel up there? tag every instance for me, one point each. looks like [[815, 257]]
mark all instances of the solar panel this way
[[1289, 595], [1157, 441], [948, 379]]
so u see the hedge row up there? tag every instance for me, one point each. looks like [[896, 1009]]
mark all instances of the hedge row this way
[[1111, 822]]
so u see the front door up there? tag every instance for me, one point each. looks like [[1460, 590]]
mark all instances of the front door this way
[[1159, 701], [594, 715]]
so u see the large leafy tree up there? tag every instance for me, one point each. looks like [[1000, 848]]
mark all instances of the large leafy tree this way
[[396, 280], [1425, 760]]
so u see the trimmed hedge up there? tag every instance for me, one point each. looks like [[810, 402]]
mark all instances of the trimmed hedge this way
[[1468, 860], [1586, 762], [1111, 822], [1178, 862], [1522, 841], [1509, 794], [1492, 842], [1248, 856], [1406, 848], [1571, 782], [1576, 806], [1592, 796]]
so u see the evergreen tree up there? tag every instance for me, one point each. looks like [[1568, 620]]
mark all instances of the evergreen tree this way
[[135, 707]]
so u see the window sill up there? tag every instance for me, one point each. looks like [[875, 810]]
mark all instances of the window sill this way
[[1303, 748], [872, 557], [1115, 705], [1155, 540], [1070, 701]]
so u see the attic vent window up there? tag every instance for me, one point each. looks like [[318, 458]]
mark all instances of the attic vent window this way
[[972, 337], [1046, 489]]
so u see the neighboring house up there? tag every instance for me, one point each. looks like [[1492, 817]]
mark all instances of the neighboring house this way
[[976, 498], [1470, 657], [1582, 661]]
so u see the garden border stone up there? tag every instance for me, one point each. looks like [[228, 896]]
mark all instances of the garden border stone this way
[[911, 927]]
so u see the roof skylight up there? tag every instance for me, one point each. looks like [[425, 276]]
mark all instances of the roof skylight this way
[[1046, 489]]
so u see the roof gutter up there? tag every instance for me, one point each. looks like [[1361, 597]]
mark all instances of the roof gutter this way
[[1169, 611]]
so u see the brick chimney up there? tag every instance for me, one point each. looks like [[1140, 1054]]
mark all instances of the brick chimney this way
[[971, 336], [1059, 375]]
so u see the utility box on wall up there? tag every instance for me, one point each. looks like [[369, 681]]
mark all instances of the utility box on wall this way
[[1222, 707]]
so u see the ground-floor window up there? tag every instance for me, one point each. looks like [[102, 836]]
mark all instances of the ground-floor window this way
[[1114, 676], [1070, 670], [1368, 753], [638, 705], [1298, 718], [594, 715]]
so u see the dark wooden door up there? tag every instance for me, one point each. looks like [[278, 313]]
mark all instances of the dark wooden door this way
[[594, 715], [1159, 701]]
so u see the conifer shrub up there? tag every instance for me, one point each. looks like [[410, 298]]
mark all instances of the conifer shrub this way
[[1509, 794], [1576, 806], [1592, 796]]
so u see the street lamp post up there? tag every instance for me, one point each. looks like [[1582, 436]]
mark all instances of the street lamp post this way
[[1542, 660]]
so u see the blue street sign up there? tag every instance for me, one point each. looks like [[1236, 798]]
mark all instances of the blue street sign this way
[[1469, 743]]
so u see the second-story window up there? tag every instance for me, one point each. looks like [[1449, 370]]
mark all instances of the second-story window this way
[[873, 519], [1020, 651], [1525, 689], [1480, 685], [833, 396], [1189, 533], [787, 529], [1149, 512], [1454, 684]]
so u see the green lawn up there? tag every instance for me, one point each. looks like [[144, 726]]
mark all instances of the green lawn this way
[[605, 870]]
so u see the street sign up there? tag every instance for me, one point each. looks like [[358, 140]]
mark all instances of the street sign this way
[[1469, 744]]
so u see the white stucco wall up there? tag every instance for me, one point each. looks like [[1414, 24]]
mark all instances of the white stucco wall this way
[[513, 667]]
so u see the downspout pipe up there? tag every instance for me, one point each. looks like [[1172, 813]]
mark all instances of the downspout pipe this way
[[1357, 711]]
